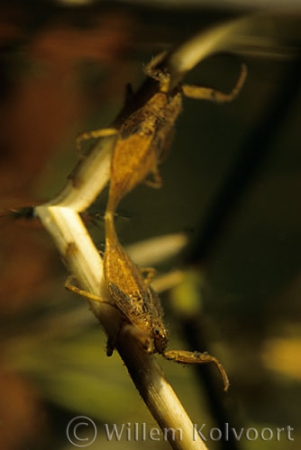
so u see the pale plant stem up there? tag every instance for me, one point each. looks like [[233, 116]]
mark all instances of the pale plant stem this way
[[62, 220], [203, 44], [84, 262]]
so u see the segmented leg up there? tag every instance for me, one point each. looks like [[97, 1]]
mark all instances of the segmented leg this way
[[156, 180], [185, 357], [213, 95], [157, 73], [95, 134], [129, 94], [145, 340], [83, 293], [111, 342], [149, 273], [151, 69]]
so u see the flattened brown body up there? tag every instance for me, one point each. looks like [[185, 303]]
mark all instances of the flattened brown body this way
[[144, 137], [129, 292]]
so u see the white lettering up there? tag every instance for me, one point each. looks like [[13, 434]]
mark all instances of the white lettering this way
[[173, 437], [263, 432], [154, 434], [114, 433], [143, 432], [219, 434], [289, 429], [128, 432], [251, 430], [226, 431], [278, 433], [237, 436], [198, 431]]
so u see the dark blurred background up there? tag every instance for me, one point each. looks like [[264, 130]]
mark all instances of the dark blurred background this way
[[231, 184]]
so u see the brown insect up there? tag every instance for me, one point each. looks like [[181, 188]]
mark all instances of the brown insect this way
[[132, 294], [145, 129], [144, 136], [141, 306]]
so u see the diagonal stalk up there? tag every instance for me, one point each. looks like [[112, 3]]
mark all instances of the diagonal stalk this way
[[62, 220]]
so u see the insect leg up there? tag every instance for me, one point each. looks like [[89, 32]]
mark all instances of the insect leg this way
[[156, 181], [205, 93], [129, 94], [82, 292], [153, 70], [149, 273], [142, 337], [111, 342], [95, 134], [185, 357]]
